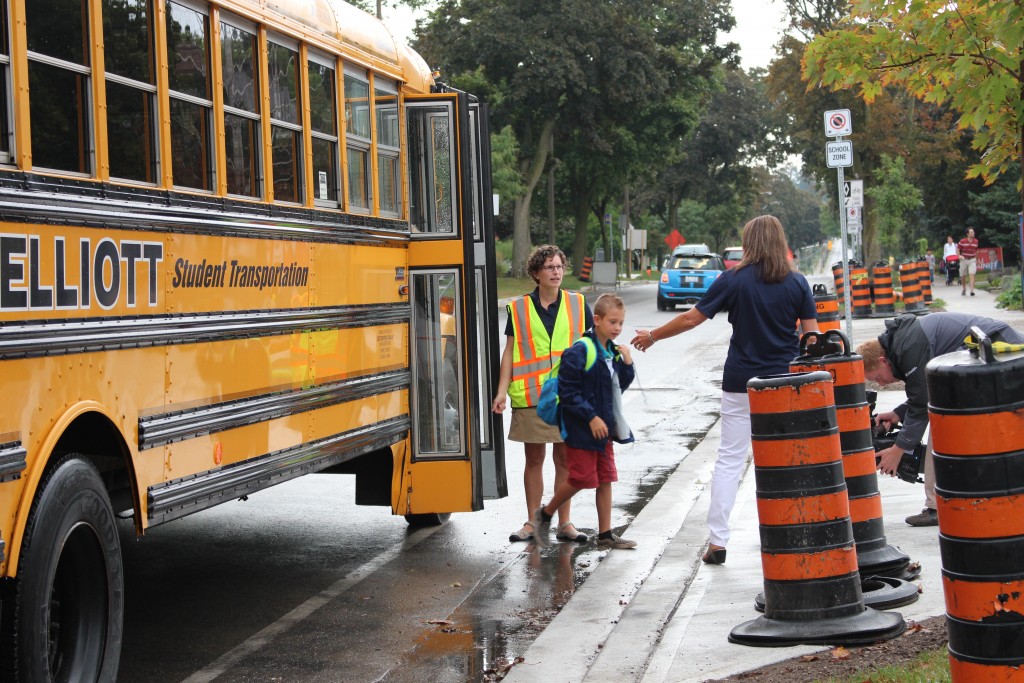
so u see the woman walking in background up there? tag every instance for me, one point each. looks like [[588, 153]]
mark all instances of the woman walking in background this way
[[763, 295]]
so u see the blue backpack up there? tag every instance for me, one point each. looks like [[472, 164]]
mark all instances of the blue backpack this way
[[548, 408]]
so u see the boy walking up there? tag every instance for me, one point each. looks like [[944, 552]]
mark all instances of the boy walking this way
[[591, 420]]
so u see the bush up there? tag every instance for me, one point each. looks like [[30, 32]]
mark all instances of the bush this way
[[1010, 298]]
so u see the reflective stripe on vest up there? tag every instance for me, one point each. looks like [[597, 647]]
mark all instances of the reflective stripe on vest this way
[[534, 352]]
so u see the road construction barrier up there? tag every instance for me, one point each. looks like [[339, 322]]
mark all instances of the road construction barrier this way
[[826, 307], [838, 280], [976, 411], [924, 278], [811, 584], [910, 282], [860, 291], [831, 352], [588, 266], [881, 286]]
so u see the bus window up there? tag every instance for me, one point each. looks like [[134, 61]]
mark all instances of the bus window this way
[[431, 160], [130, 89], [357, 141], [6, 134], [385, 106], [188, 40], [59, 84], [285, 126], [241, 109], [438, 345], [323, 123]]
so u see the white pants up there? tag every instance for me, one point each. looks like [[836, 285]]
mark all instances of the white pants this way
[[732, 457]]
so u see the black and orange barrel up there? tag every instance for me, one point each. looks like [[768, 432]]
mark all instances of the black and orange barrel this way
[[838, 280], [976, 411], [585, 270], [831, 352], [827, 308], [924, 278], [860, 291], [811, 584], [911, 285], [881, 287]]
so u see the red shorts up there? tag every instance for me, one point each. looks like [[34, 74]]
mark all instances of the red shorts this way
[[589, 469]]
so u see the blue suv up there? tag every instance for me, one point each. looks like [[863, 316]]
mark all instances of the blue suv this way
[[687, 278]]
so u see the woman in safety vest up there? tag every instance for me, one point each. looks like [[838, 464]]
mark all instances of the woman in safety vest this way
[[540, 326]]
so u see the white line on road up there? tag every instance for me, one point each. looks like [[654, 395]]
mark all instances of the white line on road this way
[[259, 640]]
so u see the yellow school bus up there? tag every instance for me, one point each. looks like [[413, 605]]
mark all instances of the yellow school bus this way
[[240, 241]]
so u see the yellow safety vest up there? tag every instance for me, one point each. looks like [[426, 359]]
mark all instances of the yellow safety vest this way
[[535, 353]]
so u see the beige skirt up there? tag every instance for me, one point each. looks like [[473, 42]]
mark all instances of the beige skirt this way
[[527, 427]]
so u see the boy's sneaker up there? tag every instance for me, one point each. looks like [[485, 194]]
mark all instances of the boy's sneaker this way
[[927, 517], [541, 528], [615, 543]]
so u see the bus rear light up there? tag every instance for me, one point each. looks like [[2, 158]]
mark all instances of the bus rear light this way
[[403, 290]]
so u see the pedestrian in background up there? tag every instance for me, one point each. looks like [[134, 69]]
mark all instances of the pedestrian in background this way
[[967, 248], [901, 354], [948, 250], [930, 260], [589, 378], [540, 326], [763, 296]]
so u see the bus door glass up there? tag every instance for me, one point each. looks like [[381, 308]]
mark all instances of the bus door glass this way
[[452, 291]]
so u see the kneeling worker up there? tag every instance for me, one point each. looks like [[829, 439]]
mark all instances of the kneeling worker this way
[[901, 354]]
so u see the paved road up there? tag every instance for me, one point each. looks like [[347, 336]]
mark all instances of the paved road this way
[[298, 584]]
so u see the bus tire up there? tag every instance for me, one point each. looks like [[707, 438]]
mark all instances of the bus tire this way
[[428, 519], [65, 608]]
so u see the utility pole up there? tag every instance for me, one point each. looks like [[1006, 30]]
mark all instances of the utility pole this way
[[379, 15], [628, 251], [551, 191]]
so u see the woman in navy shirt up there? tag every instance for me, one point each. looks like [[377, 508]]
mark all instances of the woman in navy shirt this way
[[764, 297]]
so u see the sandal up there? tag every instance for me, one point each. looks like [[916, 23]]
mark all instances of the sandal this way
[[563, 535], [524, 534], [714, 555]]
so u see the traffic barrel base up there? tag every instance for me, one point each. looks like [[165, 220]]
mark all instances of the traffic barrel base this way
[[870, 626], [880, 592], [811, 585]]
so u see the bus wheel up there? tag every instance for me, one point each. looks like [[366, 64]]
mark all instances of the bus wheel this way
[[68, 598], [428, 519]]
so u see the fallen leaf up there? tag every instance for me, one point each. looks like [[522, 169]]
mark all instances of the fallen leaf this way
[[809, 658], [456, 585], [438, 622], [840, 653]]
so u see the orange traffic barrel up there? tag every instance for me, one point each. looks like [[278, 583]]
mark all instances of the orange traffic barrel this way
[[827, 308], [860, 291], [811, 584], [924, 279], [976, 409], [588, 265], [838, 280], [831, 352], [881, 286], [910, 282]]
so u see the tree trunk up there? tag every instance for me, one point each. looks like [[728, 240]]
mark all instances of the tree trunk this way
[[581, 219], [533, 170]]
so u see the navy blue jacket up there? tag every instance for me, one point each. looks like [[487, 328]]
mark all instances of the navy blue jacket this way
[[585, 394]]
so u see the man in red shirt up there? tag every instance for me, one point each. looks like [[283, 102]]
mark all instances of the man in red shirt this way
[[968, 250]]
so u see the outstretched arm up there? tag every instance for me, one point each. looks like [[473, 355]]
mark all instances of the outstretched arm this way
[[683, 322]]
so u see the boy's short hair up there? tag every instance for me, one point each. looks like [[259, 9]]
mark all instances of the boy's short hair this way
[[871, 352], [607, 302]]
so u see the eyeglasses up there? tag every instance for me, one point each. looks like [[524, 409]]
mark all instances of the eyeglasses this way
[[554, 269]]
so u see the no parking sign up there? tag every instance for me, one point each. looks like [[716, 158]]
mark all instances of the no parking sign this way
[[838, 123]]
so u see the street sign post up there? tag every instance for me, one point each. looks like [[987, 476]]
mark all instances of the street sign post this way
[[839, 155]]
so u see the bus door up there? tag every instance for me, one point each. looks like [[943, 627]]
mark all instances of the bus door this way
[[457, 456]]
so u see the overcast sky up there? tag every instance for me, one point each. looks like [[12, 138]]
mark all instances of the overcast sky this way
[[759, 24]]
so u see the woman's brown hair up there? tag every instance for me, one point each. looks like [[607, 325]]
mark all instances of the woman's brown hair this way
[[764, 243]]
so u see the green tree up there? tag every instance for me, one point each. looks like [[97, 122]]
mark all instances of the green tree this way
[[894, 197], [967, 54]]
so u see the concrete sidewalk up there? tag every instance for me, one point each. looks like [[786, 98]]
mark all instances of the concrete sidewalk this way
[[659, 614]]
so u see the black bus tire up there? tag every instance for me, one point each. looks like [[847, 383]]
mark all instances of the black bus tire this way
[[68, 597], [427, 519]]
